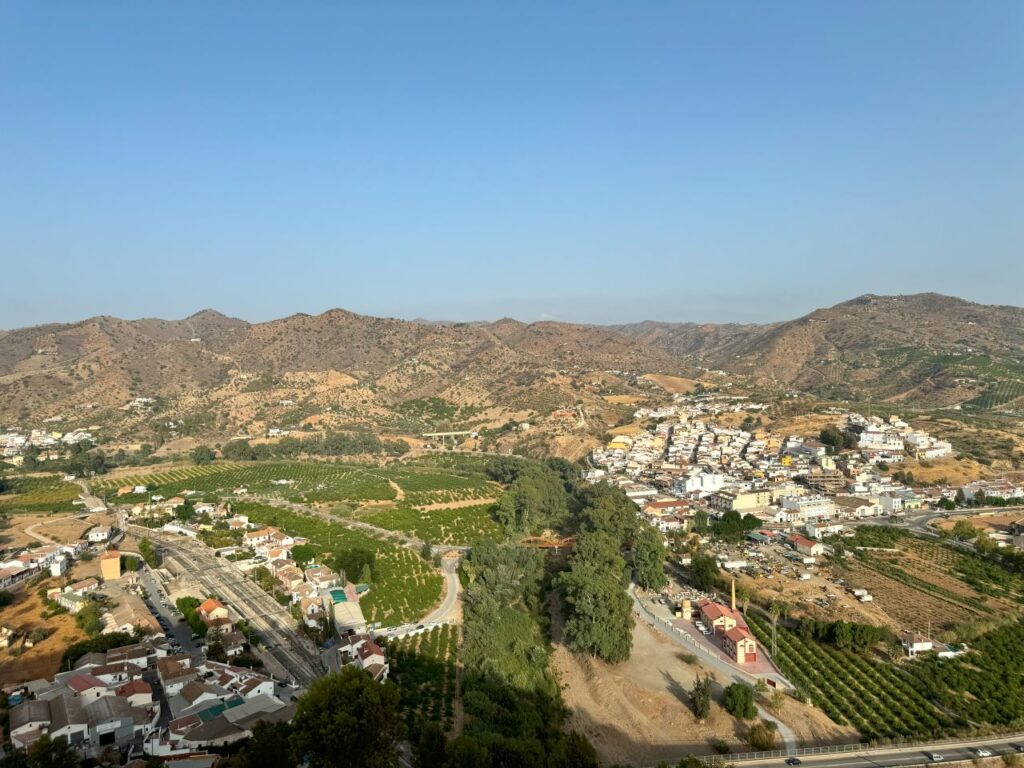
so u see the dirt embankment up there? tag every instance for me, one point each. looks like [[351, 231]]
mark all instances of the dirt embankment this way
[[638, 712], [43, 659]]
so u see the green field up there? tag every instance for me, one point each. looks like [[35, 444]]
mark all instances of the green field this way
[[405, 586], [39, 494], [461, 526], [308, 482], [879, 699], [424, 668]]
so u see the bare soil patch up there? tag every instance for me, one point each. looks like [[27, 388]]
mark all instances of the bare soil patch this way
[[42, 660], [638, 712], [672, 384]]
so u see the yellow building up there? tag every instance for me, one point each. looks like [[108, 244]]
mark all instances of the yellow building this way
[[110, 565]]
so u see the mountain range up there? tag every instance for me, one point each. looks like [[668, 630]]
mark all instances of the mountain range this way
[[214, 373]]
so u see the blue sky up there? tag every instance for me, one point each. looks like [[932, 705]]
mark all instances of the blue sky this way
[[591, 161]]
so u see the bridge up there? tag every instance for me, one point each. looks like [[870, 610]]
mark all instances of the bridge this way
[[453, 435]]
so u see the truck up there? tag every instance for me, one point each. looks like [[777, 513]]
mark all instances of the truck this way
[[805, 576], [865, 598], [858, 592]]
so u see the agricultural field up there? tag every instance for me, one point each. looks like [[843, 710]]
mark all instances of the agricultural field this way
[[425, 487], [461, 526], [39, 493], [405, 587], [306, 482], [877, 698], [926, 583], [424, 668]]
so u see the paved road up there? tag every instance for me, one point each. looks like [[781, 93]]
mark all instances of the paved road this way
[[452, 594], [884, 757], [286, 652]]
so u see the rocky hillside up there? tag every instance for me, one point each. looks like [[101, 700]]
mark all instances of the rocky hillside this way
[[224, 375], [931, 348]]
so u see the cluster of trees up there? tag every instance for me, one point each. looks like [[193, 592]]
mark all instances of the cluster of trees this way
[[536, 498], [845, 635], [514, 712], [149, 553], [356, 564], [189, 607], [600, 621], [703, 572], [649, 559], [331, 444], [346, 719], [81, 460], [738, 701], [836, 439], [44, 753]]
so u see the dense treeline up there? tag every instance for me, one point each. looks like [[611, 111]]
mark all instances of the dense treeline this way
[[844, 634], [330, 444], [981, 686], [604, 520], [514, 712]]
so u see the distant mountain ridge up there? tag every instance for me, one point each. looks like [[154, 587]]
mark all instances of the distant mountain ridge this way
[[888, 346], [927, 347]]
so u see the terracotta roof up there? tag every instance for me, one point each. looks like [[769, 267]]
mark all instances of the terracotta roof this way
[[80, 683], [715, 610], [133, 687], [210, 605], [736, 634]]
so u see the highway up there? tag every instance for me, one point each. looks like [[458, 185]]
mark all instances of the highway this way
[[886, 757], [286, 650]]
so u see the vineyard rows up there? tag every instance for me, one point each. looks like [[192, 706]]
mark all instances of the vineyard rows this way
[[876, 698], [459, 527], [424, 668], [296, 481], [404, 587], [40, 494]]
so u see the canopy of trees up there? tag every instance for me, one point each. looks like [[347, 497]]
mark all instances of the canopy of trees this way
[[331, 444], [347, 719], [600, 620], [844, 634], [738, 700], [649, 559]]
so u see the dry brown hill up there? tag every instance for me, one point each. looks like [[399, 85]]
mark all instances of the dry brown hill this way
[[933, 348]]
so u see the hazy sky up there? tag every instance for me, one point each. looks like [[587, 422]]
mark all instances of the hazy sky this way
[[591, 161]]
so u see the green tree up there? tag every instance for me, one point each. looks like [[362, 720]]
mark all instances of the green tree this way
[[366, 575], [464, 752], [600, 620], [700, 697], [964, 531], [148, 552], [649, 559], [215, 650], [303, 554], [202, 454], [347, 719], [738, 700], [269, 747], [52, 753], [429, 749], [761, 736], [90, 618], [238, 450], [703, 572]]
